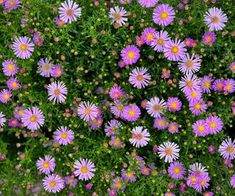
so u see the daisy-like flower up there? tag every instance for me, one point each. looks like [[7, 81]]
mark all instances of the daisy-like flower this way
[[33, 118], [232, 67], [176, 170], [147, 3], [46, 165], [5, 96], [148, 35], [169, 151], [174, 50], [139, 41], [160, 123], [173, 127], [215, 19], [206, 84], [227, 149], [218, 85], [64, 136], [118, 184], [117, 109], [13, 84], [84, 169], [59, 23], [174, 104], [155, 107], [229, 86], [232, 181], [112, 128], [116, 92], [57, 71], [189, 42], [208, 38], [18, 112], [214, 124], [199, 128], [130, 55], [87, 111], [197, 107], [163, 15], [13, 122], [189, 65], [131, 112], [2, 119], [194, 94], [69, 11], [38, 38], [10, 5], [139, 77], [9, 67], [128, 176], [71, 181], [197, 168], [57, 92], [159, 40], [140, 137], [53, 183], [118, 15], [45, 67], [23, 47], [189, 82], [116, 142]]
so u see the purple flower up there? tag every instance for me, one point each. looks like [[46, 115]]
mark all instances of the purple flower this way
[[10, 5], [13, 84], [163, 15], [174, 104], [23, 47], [199, 128], [5, 96], [131, 112], [9, 67], [176, 170], [71, 181], [116, 92], [160, 123], [159, 40], [84, 169], [147, 3], [139, 77], [130, 55], [148, 35], [57, 92], [140, 137], [208, 38], [46, 165], [214, 124], [64, 136], [53, 183]]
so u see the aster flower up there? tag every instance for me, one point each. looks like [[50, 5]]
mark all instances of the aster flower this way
[[130, 55], [69, 11], [9, 67], [176, 170], [18, 112], [189, 65], [64, 136], [215, 19], [128, 176], [229, 86], [33, 118], [118, 184], [45, 67], [174, 104], [116, 92], [197, 168], [118, 15], [38, 38], [208, 38], [84, 169], [159, 40], [232, 181], [189, 82], [174, 50], [57, 92], [147, 3], [163, 15], [10, 5], [155, 107], [144, 170], [169, 194], [139, 77], [53, 183], [87, 111], [206, 84], [131, 112], [173, 127], [71, 181], [116, 142], [57, 71], [227, 149], [2, 119], [169, 151], [214, 124], [197, 107], [13, 84], [232, 67], [59, 22], [193, 95], [95, 123], [148, 35], [140, 137], [139, 41], [198, 181], [160, 123], [218, 85], [189, 42], [13, 122], [5, 96], [46, 165], [23, 47], [199, 128], [112, 128]]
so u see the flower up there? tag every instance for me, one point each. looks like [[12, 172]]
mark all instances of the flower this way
[[118, 15], [57, 71], [199, 128], [214, 124], [189, 82], [9, 67], [160, 123], [232, 67], [227, 149], [139, 77], [169, 151], [147, 3], [59, 23], [117, 109], [116, 92], [215, 19], [57, 92], [87, 111], [46, 165], [116, 142], [148, 35], [2, 119], [176, 170], [218, 85], [5, 96], [13, 84], [208, 38], [18, 112], [174, 50], [206, 84], [84, 169], [45, 67], [23, 47], [10, 5], [63, 135], [155, 107], [197, 168], [159, 40], [140, 137], [69, 11], [38, 38], [174, 104], [13, 122], [131, 112], [173, 127], [71, 181], [128, 176], [163, 15], [53, 183], [33, 118], [229, 85], [189, 65], [112, 128], [232, 181], [189, 42], [130, 55], [197, 107]]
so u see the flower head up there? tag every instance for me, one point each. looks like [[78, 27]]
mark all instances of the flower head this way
[[140, 137], [169, 151], [23, 47], [53, 183], [57, 92], [84, 169], [64, 136], [46, 165], [163, 15]]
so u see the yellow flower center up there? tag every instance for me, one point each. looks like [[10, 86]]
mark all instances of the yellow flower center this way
[[160, 41], [176, 170], [71, 180], [193, 179], [23, 47], [139, 77], [175, 49], [52, 184], [149, 36], [208, 39], [160, 122], [11, 67], [163, 15], [6, 96], [45, 165], [84, 169], [168, 151], [212, 125], [189, 83], [131, 55], [70, 12], [87, 111], [14, 84], [33, 118], [207, 84], [230, 149], [131, 112], [64, 135], [46, 67], [200, 128], [12, 3], [197, 106], [189, 63], [120, 107], [57, 92], [119, 185], [173, 105]]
